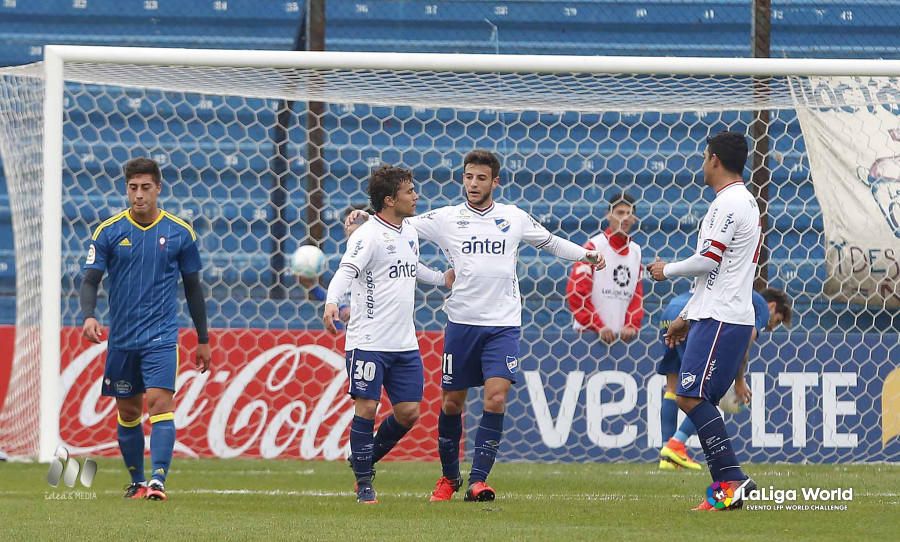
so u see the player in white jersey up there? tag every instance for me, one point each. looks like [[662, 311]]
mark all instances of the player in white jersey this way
[[380, 268], [481, 342], [720, 311]]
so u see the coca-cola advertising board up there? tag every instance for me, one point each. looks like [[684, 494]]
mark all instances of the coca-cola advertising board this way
[[281, 394], [268, 393]]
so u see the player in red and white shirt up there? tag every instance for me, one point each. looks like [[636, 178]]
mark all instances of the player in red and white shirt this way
[[609, 301], [720, 310]]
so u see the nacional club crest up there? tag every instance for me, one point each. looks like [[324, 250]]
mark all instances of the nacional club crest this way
[[412, 245], [512, 363], [502, 224]]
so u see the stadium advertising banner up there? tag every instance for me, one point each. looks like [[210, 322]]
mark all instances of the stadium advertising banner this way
[[282, 394], [854, 156], [269, 393], [815, 399]]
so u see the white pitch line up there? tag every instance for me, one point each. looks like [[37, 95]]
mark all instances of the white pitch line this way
[[404, 494], [246, 472], [409, 494]]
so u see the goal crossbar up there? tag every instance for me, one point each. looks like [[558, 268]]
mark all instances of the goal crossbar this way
[[473, 63]]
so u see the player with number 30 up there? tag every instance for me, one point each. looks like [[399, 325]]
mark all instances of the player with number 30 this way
[[380, 268]]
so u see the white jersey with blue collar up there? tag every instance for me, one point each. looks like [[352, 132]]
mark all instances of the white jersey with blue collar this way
[[382, 259], [483, 248]]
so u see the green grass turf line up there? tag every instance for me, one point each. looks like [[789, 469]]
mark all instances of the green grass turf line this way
[[293, 500]]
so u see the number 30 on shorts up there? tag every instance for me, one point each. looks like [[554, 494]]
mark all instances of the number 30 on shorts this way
[[365, 370]]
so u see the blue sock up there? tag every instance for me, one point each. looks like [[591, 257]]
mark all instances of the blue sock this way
[[668, 416], [685, 430], [389, 433], [449, 433], [131, 444], [723, 464], [362, 440], [487, 442], [162, 443]]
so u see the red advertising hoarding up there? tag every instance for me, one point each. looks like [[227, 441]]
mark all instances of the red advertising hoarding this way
[[268, 394]]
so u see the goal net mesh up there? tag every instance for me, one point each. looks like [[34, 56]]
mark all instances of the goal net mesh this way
[[235, 146]]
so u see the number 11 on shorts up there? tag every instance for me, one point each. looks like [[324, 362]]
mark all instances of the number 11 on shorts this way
[[447, 364]]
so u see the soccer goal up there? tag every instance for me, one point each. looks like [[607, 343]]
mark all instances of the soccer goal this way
[[265, 151]]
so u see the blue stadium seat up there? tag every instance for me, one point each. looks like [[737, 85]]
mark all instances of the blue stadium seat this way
[[855, 28], [28, 25]]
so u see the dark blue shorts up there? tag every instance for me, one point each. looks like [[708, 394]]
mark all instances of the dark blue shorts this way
[[712, 357], [400, 373], [670, 363], [131, 372], [472, 354]]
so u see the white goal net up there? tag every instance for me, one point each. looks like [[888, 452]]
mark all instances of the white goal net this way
[[263, 159]]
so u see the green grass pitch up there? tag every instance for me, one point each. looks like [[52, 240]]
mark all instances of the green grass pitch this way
[[293, 500]]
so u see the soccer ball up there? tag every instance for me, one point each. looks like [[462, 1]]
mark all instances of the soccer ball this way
[[308, 262], [730, 403]]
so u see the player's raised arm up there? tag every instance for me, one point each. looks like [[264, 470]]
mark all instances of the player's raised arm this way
[[354, 219], [711, 250], [537, 236], [429, 225]]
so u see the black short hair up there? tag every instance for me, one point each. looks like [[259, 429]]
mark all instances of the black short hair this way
[[481, 157], [385, 181], [142, 166], [782, 303], [731, 149], [619, 198]]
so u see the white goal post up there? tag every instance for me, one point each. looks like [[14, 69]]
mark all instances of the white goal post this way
[[548, 112]]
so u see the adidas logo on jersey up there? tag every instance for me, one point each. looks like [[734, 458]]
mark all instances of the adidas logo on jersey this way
[[125, 243]]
